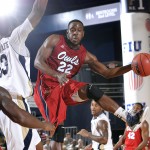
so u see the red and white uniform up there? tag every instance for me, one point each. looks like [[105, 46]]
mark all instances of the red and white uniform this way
[[133, 138], [52, 99]]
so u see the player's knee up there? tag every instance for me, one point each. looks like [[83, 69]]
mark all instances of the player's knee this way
[[93, 92], [59, 134]]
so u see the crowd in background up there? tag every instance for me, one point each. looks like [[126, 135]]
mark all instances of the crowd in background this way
[[69, 143]]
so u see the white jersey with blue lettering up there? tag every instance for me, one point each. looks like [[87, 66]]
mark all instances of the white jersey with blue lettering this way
[[18, 137], [96, 145], [15, 61], [14, 76]]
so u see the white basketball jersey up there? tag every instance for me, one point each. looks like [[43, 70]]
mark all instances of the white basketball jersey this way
[[15, 61], [94, 122]]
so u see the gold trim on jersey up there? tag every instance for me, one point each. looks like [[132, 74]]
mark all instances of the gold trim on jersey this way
[[22, 106], [31, 88]]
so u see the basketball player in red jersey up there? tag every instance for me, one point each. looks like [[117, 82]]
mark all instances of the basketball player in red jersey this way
[[58, 60], [136, 138], [19, 115]]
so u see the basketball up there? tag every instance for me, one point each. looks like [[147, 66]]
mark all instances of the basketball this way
[[141, 64]]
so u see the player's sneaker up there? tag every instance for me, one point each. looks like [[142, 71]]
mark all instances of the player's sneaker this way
[[133, 118]]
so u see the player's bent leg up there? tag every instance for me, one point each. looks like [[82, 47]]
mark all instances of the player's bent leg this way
[[108, 104], [58, 138], [93, 92]]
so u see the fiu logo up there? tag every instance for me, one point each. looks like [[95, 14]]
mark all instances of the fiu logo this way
[[134, 46]]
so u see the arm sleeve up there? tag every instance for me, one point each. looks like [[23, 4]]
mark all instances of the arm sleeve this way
[[19, 36]]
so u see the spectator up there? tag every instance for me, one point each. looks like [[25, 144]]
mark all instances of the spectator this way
[[135, 138], [46, 146], [101, 129], [80, 145], [68, 140]]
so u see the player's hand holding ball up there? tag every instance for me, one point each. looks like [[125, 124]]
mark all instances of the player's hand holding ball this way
[[141, 64]]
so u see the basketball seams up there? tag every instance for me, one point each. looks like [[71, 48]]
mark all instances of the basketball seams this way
[[134, 64], [141, 64], [146, 55], [142, 55]]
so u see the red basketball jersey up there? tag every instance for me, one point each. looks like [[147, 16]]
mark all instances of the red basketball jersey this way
[[65, 59], [133, 139]]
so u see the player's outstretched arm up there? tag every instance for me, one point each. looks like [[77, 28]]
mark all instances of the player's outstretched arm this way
[[145, 135], [37, 12], [20, 116], [102, 129], [20, 33], [100, 68]]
